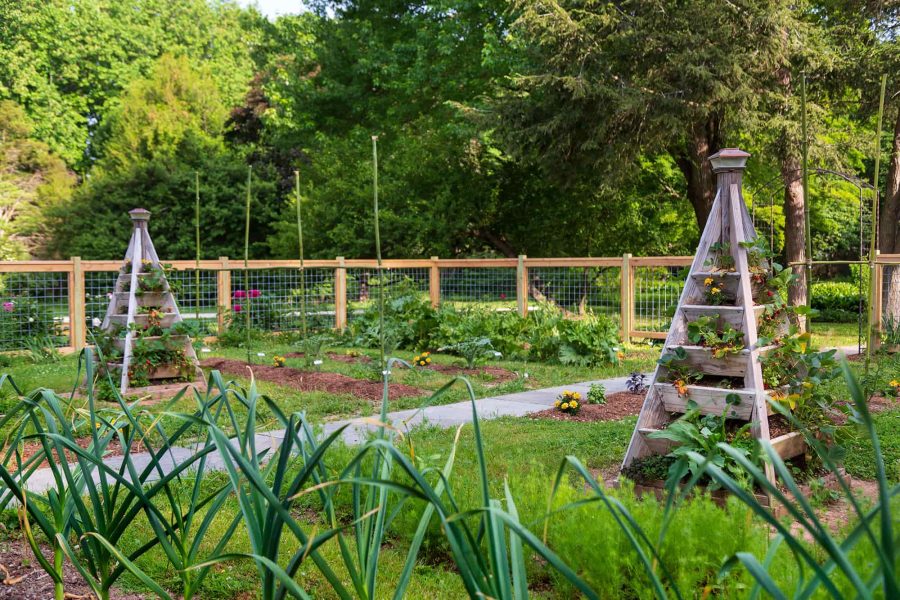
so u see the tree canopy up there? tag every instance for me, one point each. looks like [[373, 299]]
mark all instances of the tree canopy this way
[[543, 127]]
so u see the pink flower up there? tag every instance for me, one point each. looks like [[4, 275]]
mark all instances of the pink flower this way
[[8, 306], [238, 308], [254, 293], [240, 294], [502, 296]]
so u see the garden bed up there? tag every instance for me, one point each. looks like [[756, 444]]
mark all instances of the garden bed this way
[[24, 579], [313, 381], [32, 447], [343, 358], [497, 374], [618, 406]]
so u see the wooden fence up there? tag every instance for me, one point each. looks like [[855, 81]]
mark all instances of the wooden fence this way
[[639, 292]]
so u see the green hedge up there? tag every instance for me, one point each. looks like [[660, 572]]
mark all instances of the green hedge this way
[[836, 301]]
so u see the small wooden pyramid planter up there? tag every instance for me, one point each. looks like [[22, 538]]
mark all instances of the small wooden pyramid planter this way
[[154, 351], [720, 289]]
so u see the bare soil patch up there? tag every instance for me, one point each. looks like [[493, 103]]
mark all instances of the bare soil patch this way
[[618, 406], [24, 579], [314, 381]]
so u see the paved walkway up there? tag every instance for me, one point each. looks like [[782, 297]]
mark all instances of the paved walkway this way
[[447, 415]]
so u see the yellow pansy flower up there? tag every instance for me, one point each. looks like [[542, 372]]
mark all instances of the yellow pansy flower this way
[[565, 405], [708, 281]]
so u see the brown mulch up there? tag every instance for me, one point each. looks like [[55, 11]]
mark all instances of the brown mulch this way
[[778, 425], [497, 374], [32, 447], [618, 406], [344, 358], [314, 381], [24, 579]]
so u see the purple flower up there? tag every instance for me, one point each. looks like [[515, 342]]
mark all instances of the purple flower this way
[[238, 308], [9, 306], [254, 293], [240, 294]]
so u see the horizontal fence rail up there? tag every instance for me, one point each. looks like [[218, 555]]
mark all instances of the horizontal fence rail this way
[[66, 299]]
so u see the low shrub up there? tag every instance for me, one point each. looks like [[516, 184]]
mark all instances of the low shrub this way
[[597, 394], [836, 295]]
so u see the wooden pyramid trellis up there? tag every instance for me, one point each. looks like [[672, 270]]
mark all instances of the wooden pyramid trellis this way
[[131, 305], [729, 225]]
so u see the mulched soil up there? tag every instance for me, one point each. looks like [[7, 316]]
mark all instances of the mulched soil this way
[[310, 381], [497, 374], [25, 580], [114, 448], [778, 425], [344, 358], [618, 405]]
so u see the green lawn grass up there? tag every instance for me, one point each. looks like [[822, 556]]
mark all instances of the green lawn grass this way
[[526, 453]]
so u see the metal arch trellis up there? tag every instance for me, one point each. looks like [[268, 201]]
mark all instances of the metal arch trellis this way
[[797, 174]]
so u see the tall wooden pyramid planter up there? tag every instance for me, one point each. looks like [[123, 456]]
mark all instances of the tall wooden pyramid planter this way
[[149, 345], [720, 290]]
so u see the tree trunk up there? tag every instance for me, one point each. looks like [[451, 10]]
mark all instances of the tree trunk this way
[[889, 238], [693, 161], [794, 226]]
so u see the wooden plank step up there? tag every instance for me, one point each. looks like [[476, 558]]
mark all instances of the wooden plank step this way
[[147, 299], [789, 445], [733, 315], [701, 359], [167, 321], [709, 400], [727, 281], [731, 365], [656, 446]]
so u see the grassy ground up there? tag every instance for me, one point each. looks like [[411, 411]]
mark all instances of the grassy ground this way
[[526, 453]]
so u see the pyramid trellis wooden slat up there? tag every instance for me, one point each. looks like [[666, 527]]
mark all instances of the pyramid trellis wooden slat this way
[[142, 254], [729, 223]]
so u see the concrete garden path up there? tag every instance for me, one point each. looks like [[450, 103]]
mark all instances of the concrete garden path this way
[[447, 415]]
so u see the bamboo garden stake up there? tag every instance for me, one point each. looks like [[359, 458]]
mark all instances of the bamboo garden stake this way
[[873, 241], [246, 263], [197, 237], [302, 271], [378, 248]]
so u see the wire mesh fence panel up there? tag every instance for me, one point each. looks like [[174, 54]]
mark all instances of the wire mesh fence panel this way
[[98, 290], [273, 298], [363, 287], [840, 296], [890, 306], [656, 292], [494, 286], [34, 307], [578, 289], [184, 286]]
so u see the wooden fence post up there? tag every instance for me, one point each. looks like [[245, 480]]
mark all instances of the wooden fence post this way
[[223, 292], [340, 295], [77, 313], [434, 283], [877, 297], [626, 298], [522, 286]]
